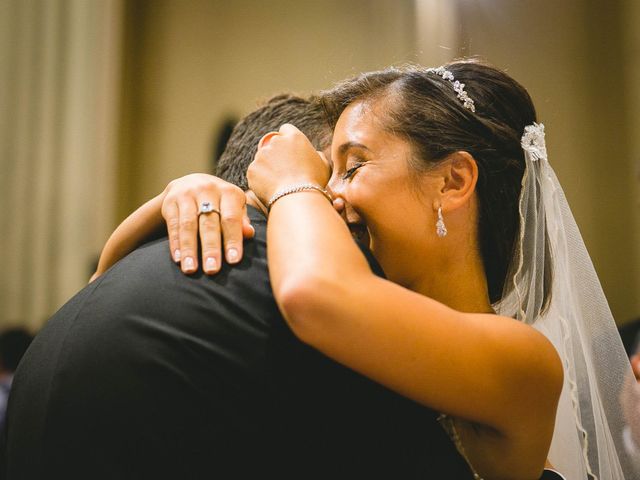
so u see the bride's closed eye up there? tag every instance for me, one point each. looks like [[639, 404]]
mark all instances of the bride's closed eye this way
[[349, 173]]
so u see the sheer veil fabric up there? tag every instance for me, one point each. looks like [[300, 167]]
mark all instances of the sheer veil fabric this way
[[553, 286]]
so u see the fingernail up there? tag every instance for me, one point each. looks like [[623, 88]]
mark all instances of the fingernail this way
[[232, 254], [176, 255], [210, 264], [188, 263], [252, 229]]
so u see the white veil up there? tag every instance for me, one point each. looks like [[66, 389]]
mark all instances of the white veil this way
[[551, 258]]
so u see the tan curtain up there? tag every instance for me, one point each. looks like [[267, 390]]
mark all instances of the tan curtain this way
[[59, 82]]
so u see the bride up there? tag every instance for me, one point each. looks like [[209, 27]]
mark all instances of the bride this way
[[491, 312]]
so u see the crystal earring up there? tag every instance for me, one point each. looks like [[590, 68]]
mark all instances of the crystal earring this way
[[441, 230]]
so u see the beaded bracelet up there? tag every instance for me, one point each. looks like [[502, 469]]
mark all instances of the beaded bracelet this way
[[295, 189]]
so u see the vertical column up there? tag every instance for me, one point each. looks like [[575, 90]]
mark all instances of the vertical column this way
[[438, 33]]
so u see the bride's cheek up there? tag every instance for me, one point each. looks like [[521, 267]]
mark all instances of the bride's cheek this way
[[361, 188], [359, 197]]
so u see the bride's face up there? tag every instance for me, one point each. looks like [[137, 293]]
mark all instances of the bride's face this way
[[383, 196]]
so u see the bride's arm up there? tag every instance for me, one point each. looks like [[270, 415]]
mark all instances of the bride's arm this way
[[460, 364], [178, 206], [132, 232], [488, 370]]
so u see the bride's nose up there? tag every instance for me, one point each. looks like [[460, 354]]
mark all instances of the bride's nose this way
[[338, 204], [338, 201]]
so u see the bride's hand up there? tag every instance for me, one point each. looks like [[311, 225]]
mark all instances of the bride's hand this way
[[225, 225], [284, 159]]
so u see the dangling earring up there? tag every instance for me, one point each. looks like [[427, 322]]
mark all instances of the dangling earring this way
[[441, 230]]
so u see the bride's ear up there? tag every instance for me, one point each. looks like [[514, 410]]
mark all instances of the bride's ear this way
[[460, 175]]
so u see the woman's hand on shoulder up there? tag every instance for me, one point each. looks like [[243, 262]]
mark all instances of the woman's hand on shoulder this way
[[205, 206]]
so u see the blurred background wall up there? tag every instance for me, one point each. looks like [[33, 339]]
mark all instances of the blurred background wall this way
[[102, 102]]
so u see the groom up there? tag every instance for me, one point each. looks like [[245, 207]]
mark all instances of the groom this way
[[148, 373]]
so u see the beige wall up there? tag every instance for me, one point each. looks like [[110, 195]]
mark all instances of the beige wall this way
[[572, 57], [193, 62]]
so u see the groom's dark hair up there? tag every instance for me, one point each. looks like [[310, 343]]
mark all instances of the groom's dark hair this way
[[305, 113]]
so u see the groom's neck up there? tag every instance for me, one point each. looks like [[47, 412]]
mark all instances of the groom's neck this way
[[253, 200]]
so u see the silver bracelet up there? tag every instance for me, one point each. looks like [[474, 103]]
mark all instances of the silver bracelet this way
[[295, 189]]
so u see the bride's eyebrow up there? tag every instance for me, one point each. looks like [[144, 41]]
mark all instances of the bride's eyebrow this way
[[345, 147]]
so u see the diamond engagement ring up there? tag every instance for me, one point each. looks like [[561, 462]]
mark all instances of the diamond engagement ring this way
[[207, 207]]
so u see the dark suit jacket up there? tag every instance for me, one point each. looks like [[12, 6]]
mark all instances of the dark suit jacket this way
[[147, 373]]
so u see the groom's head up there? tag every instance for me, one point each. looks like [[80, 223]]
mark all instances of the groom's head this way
[[306, 114]]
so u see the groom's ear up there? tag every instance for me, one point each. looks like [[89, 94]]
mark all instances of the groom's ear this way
[[326, 161], [460, 176]]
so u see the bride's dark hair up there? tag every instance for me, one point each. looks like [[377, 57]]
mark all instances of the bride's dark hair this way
[[423, 108]]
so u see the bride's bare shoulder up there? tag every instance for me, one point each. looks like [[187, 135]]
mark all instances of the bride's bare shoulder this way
[[529, 351]]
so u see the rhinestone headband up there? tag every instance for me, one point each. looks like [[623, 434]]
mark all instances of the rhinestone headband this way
[[458, 87]]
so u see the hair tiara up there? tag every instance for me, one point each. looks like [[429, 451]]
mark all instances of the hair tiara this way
[[533, 141], [467, 102]]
